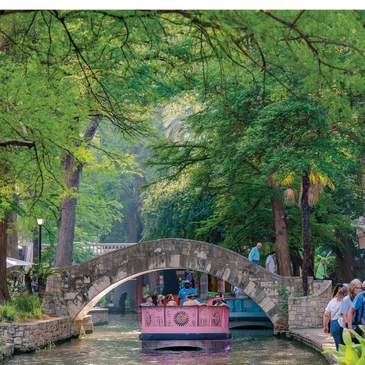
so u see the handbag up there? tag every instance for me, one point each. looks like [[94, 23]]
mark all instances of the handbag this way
[[329, 328]]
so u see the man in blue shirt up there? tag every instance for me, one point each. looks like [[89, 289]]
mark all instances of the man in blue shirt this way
[[254, 255], [185, 291]]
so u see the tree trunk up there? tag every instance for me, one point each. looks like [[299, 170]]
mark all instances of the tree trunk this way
[[35, 243], [221, 286], [66, 228], [345, 271], [153, 280], [4, 293], [297, 262], [42, 283], [28, 283], [281, 232], [203, 286], [67, 220], [13, 250], [305, 230]]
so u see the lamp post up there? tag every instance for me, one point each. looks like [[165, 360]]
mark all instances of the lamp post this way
[[40, 222]]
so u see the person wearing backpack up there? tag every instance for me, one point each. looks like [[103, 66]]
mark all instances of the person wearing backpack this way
[[356, 314]]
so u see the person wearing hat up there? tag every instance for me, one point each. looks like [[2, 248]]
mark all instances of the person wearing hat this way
[[170, 300], [191, 301], [147, 301], [160, 299], [321, 270], [185, 291]]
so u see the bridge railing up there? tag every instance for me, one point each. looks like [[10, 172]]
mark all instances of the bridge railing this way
[[185, 319], [101, 247], [107, 247]]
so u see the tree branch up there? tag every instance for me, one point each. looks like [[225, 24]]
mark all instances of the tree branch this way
[[16, 142]]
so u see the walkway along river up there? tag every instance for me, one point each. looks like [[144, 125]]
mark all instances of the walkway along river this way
[[118, 343]]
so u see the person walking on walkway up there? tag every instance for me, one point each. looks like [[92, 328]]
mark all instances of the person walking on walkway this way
[[336, 289], [332, 314], [354, 288], [270, 262], [254, 255], [358, 306], [321, 270]]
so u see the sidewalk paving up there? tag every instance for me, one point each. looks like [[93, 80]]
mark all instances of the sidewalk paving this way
[[317, 339]]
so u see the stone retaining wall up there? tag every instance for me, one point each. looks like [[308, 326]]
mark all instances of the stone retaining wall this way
[[6, 351], [307, 312], [25, 337], [29, 336], [100, 316]]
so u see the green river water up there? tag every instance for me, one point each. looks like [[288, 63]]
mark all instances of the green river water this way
[[118, 343]]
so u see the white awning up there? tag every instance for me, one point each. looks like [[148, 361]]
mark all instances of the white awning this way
[[15, 262]]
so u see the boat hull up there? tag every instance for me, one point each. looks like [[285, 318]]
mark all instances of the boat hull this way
[[196, 345]]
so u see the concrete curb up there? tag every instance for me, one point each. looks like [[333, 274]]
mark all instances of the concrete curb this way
[[316, 339]]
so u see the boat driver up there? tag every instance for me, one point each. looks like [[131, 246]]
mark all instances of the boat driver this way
[[185, 291]]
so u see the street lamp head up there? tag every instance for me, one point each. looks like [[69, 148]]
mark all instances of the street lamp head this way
[[40, 221]]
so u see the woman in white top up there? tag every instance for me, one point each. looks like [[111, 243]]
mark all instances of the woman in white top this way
[[332, 313]]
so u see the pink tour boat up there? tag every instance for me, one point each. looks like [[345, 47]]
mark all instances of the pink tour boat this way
[[176, 327]]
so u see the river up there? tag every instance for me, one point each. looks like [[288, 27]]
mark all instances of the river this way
[[118, 343]]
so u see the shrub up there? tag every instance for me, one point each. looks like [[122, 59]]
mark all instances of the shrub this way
[[350, 353], [27, 303], [9, 312], [22, 307]]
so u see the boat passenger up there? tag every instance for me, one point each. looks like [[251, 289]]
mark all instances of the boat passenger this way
[[219, 300], [185, 291], [170, 300], [147, 302], [160, 299], [191, 301], [154, 298]]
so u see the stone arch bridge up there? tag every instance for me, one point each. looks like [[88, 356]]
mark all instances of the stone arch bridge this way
[[80, 287]]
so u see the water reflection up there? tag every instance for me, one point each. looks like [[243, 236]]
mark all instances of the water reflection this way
[[118, 343]]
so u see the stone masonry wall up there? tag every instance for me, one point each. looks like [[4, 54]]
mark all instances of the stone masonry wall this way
[[99, 316], [307, 312], [24, 337], [29, 336]]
